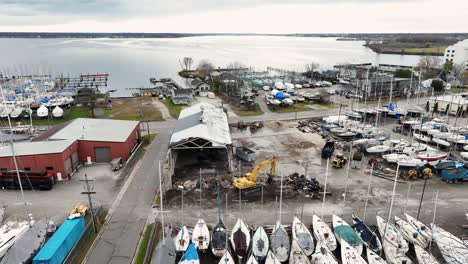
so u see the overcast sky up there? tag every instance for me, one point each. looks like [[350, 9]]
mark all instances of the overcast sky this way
[[235, 16]]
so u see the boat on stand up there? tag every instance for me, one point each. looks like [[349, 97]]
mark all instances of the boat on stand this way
[[421, 228], [219, 235], [302, 235], [423, 256], [344, 232], [297, 255], [453, 249], [349, 254], [200, 233], [190, 256], [252, 260], [260, 244], [226, 258], [240, 239], [373, 258], [323, 255], [410, 233], [271, 258], [279, 240]]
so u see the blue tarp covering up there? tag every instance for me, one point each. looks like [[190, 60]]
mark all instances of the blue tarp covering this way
[[19, 91], [280, 96], [44, 100], [60, 244], [10, 98], [190, 254]]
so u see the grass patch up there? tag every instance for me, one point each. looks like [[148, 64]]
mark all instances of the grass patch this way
[[248, 112], [149, 138], [299, 107], [431, 50], [457, 90], [329, 105], [136, 108], [75, 112], [140, 257], [174, 109]]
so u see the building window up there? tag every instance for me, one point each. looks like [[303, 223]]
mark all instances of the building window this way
[[49, 168], [27, 169]]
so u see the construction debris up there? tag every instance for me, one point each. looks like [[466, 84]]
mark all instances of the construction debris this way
[[301, 184], [252, 125], [309, 126]]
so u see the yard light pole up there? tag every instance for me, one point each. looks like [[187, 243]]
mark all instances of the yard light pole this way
[[89, 190]]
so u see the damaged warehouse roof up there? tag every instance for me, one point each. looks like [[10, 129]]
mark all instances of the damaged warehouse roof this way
[[204, 121]]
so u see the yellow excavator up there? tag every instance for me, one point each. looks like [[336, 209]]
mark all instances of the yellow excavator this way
[[249, 180]]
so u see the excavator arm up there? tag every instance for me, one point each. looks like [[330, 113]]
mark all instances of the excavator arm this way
[[250, 178]]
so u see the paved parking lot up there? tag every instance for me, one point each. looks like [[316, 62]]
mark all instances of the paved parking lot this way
[[57, 203]]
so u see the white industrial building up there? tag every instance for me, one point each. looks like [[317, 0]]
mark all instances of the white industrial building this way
[[458, 53]]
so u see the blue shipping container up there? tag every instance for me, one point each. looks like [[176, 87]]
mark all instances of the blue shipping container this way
[[60, 244]]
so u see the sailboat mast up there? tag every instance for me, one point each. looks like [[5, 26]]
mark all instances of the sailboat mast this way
[[219, 200], [347, 179], [368, 191], [391, 201], [433, 221], [201, 187], [325, 187], [16, 163], [161, 198], [281, 198]]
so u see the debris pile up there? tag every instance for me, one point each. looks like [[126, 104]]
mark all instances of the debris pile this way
[[300, 183], [252, 125], [309, 126]]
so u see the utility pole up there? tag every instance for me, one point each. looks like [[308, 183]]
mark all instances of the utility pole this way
[[89, 191]]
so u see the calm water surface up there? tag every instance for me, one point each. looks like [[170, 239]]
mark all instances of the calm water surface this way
[[131, 62]]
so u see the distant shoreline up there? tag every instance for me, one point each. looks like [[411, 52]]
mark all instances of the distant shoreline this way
[[358, 36]]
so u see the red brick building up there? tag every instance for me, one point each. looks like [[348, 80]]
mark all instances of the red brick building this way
[[83, 140]]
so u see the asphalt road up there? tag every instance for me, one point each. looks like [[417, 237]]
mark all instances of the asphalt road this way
[[119, 239]]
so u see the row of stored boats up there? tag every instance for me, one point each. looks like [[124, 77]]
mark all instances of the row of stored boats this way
[[316, 246]]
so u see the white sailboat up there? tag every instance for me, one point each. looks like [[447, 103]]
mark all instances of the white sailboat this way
[[379, 149], [373, 258], [323, 233], [271, 258], [280, 243], [391, 234], [395, 255], [410, 233], [16, 112], [226, 258], [297, 255], [302, 235], [42, 112], [349, 254], [240, 239], [344, 232], [57, 112], [423, 256], [182, 240], [260, 244], [9, 233], [201, 235], [252, 260], [323, 255], [453, 249]]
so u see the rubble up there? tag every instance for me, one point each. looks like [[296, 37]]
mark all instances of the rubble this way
[[300, 183], [252, 125], [309, 126]]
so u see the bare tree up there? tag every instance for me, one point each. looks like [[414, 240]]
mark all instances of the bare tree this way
[[428, 66], [458, 71], [235, 65], [188, 63], [311, 67], [205, 68]]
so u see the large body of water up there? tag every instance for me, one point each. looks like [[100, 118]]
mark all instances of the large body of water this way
[[131, 62]]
